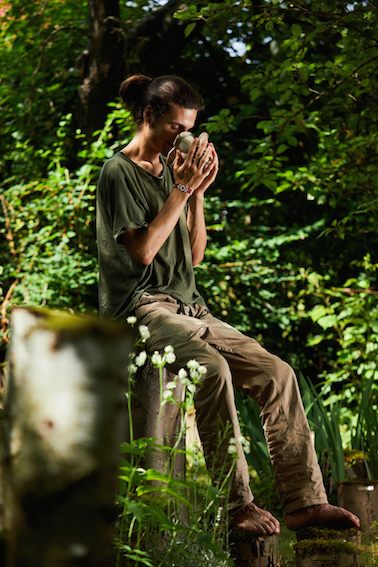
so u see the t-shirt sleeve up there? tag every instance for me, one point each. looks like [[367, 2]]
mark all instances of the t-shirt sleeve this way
[[119, 199]]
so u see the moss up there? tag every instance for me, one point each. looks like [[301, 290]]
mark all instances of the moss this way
[[353, 456], [313, 546], [69, 325], [321, 533]]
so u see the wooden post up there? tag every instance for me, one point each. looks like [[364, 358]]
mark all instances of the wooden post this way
[[146, 398], [164, 425], [61, 431], [250, 550], [360, 496]]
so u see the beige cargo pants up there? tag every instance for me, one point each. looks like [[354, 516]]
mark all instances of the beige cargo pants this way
[[233, 359]]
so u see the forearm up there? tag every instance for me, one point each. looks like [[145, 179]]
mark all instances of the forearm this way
[[143, 244], [197, 227]]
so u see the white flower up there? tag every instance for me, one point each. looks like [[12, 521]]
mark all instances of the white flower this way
[[202, 370], [170, 357], [171, 386], [185, 381], [131, 320], [219, 516], [157, 359], [232, 449], [192, 364], [132, 368], [169, 348], [167, 394], [192, 388], [245, 444], [232, 441], [144, 332], [141, 358], [182, 373]]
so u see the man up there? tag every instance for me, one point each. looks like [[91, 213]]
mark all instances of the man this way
[[151, 232]]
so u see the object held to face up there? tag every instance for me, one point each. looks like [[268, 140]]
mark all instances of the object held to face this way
[[182, 142]]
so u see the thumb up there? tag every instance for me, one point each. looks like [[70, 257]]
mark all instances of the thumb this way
[[179, 159]]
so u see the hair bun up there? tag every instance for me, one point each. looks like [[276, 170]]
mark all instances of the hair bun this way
[[132, 91]]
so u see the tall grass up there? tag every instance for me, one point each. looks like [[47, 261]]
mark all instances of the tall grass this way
[[364, 436], [326, 422], [158, 525]]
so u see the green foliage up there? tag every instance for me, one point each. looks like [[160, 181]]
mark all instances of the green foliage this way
[[364, 434], [40, 45], [49, 248], [326, 424], [338, 431], [293, 214], [348, 318], [293, 221]]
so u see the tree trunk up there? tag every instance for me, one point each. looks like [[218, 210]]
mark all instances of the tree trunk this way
[[250, 550], [63, 411], [149, 421], [104, 65]]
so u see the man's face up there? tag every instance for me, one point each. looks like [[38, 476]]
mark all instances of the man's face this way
[[164, 130]]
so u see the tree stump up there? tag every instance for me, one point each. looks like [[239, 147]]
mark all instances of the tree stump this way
[[360, 496], [250, 550], [322, 547], [61, 431], [145, 404]]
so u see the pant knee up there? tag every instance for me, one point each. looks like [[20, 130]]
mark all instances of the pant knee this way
[[217, 382]]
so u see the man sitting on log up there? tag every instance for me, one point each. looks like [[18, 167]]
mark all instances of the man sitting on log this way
[[151, 232]]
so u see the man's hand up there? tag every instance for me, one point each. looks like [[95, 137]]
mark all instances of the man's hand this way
[[211, 169], [200, 167]]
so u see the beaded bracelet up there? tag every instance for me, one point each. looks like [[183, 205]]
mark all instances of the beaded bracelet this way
[[183, 188]]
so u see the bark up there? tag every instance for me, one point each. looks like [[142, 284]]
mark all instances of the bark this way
[[251, 550], [164, 426], [102, 64], [61, 429], [147, 423], [361, 498]]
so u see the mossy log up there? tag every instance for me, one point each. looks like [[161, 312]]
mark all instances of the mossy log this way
[[250, 550], [63, 409], [360, 496]]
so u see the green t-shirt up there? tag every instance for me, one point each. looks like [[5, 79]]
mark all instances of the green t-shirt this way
[[130, 197]]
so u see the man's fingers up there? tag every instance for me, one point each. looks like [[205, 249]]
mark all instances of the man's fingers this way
[[179, 160], [200, 166], [193, 149]]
